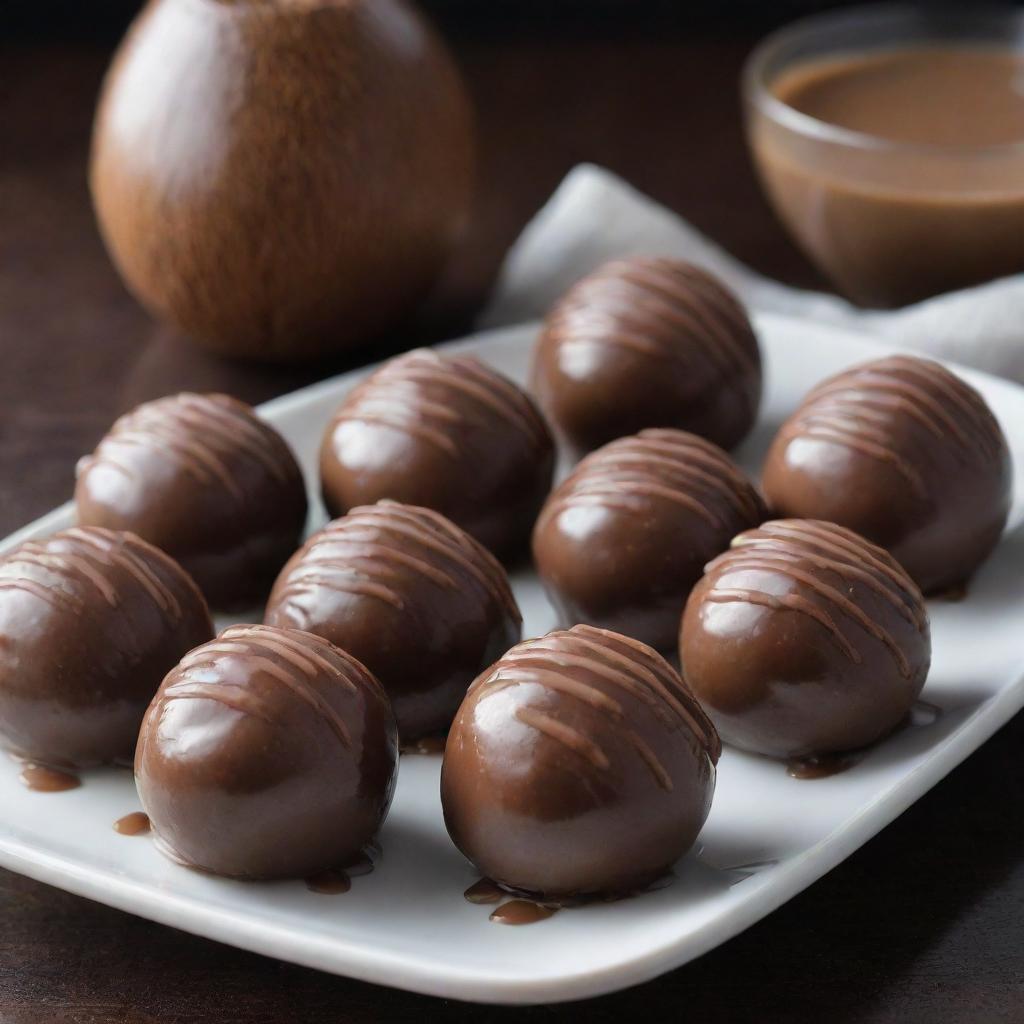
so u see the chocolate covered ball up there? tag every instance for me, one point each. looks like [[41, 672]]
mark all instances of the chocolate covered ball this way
[[804, 639], [905, 453], [206, 480], [648, 342], [267, 753], [445, 432], [578, 764], [424, 606], [621, 542], [90, 622]]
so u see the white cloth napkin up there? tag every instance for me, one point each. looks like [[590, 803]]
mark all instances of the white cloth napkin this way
[[595, 216]]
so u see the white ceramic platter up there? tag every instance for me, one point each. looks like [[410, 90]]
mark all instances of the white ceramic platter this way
[[407, 924]]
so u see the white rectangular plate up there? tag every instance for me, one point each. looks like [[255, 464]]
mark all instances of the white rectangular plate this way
[[407, 924]]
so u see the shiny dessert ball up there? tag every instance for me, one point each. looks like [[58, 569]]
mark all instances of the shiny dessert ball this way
[[905, 453], [420, 603], [621, 542], [267, 753], [91, 620], [445, 432], [205, 479], [578, 764], [647, 342], [804, 639]]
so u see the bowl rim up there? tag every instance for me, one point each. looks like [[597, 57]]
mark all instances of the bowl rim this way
[[758, 96]]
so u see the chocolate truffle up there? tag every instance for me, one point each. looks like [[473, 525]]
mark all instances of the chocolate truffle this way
[[448, 433], [420, 603], [905, 453], [648, 342], [206, 480], [804, 640], [90, 622], [267, 753], [625, 537], [578, 764]]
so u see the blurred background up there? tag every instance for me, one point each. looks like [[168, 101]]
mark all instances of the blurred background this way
[[72, 18]]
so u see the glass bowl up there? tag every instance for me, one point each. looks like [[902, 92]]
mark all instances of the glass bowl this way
[[889, 222]]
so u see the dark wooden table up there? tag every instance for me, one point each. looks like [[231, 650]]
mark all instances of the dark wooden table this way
[[926, 923]]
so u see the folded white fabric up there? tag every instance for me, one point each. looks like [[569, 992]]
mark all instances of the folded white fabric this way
[[595, 216]]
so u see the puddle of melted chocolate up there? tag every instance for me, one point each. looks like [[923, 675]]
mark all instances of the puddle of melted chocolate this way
[[822, 767], [426, 745], [485, 891], [338, 880], [518, 912], [48, 780], [330, 883], [134, 824]]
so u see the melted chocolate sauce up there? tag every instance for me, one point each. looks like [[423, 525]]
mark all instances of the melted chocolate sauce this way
[[518, 912], [134, 824], [48, 780]]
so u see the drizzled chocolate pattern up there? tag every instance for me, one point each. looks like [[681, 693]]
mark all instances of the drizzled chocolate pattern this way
[[907, 454], [267, 753], [648, 342], [579, 741], [621, 542], [421, 603], [445, 432], [804, 639], [203, 478], [90, 622]]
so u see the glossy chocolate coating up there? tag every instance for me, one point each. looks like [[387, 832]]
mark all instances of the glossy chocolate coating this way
[[445, 432], [805, 639], [206, 480], [906, 454], [267, 753], [578, 763], [90, 622], [621, 542], [420, 603], [648, 342]]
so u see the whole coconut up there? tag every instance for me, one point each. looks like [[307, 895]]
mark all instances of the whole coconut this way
[[281, 178]]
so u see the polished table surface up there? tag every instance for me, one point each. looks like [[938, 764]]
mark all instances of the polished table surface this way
[[926, 923]]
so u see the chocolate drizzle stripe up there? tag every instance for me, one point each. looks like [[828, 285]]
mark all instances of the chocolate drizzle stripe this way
[[53, 596], [788, 602], [341, 581], [761, 559], [362, 553], [614, 488], [399, 414], [308, 661], [564, 734], [661, 776], [122, 553], [534, 669], [258, 656], [499, 395], [624, 676], [236, 428], [832, 550], [655, 463], [192, 456], [838, 540], [723, 325], [69, 566], [833, 431], [648, 667], [395, 396], [237, 698], [956, 392]]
